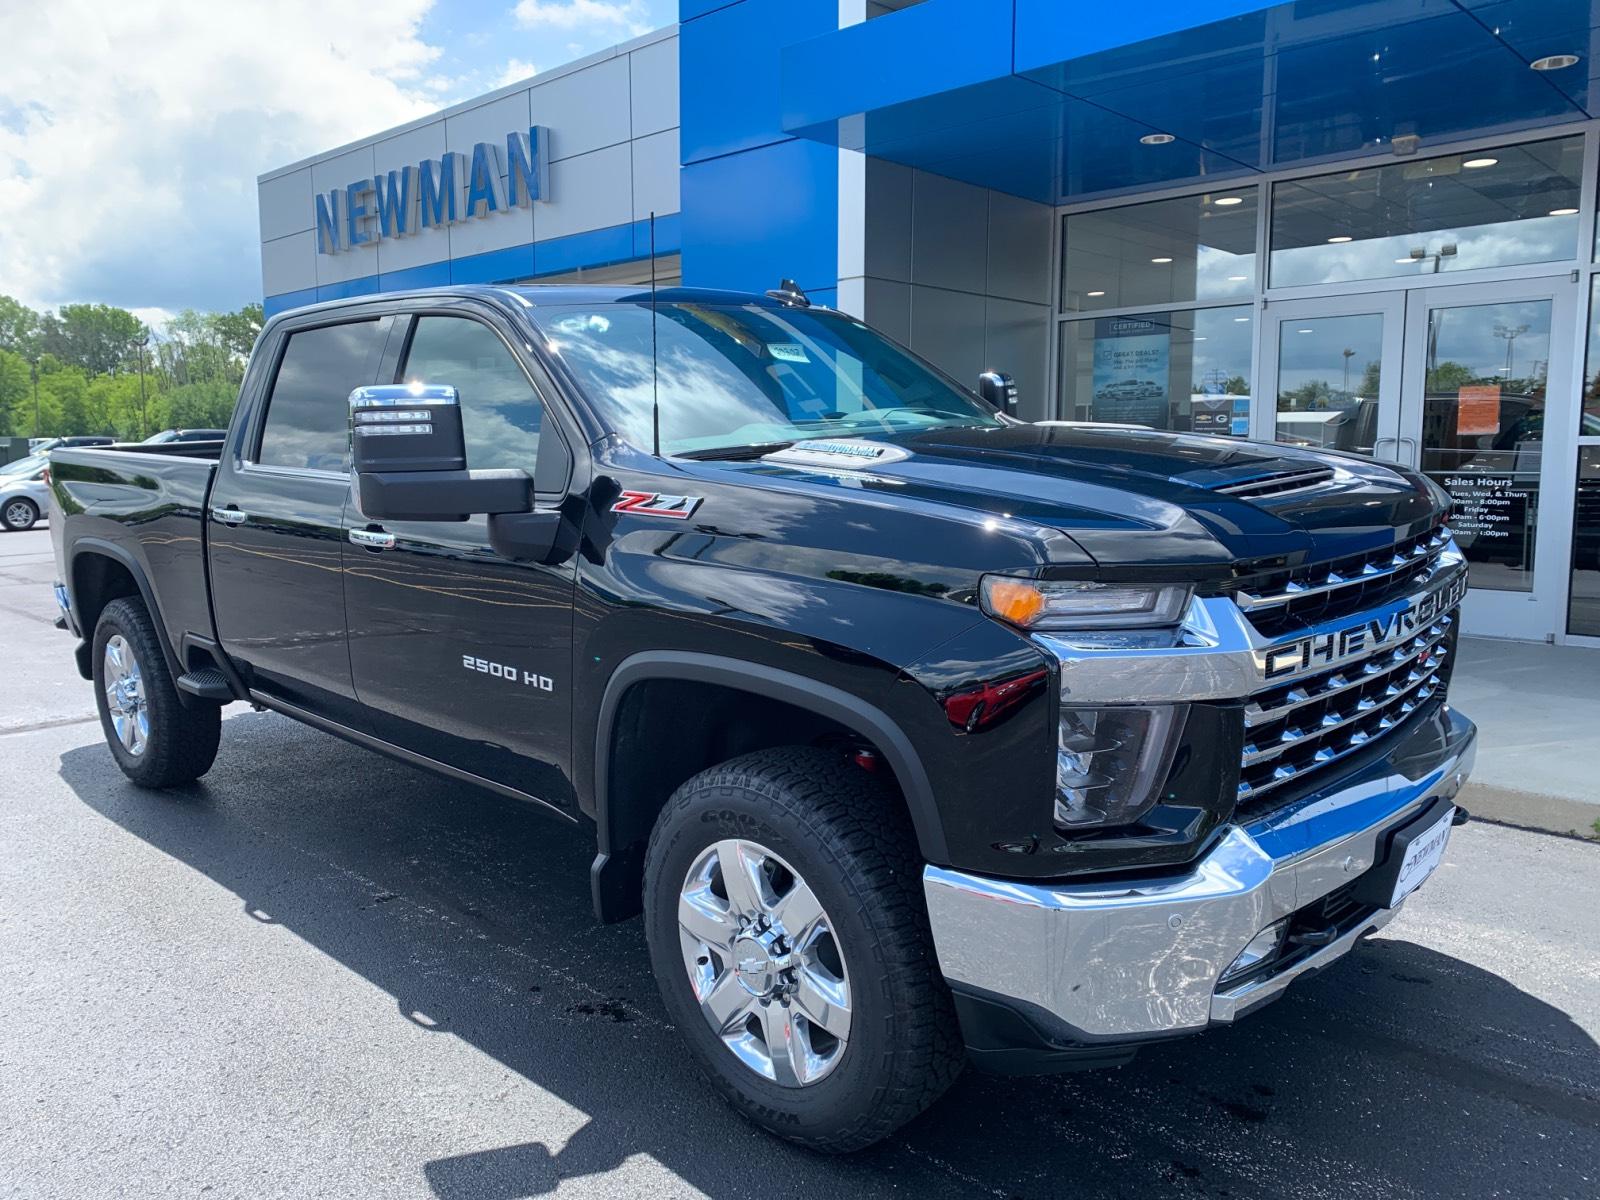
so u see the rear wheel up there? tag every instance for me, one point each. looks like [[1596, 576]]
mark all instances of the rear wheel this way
[[789, 940], [156, 738], [19, 514]]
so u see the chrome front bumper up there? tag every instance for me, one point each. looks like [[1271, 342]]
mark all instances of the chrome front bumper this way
[[1112, 962]]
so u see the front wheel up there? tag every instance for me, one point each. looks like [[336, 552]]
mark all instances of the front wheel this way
[[157, 739], [19, 514], [790, 942]]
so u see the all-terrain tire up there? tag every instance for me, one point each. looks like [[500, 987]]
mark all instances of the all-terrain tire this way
[[179, 742], [846, 833]]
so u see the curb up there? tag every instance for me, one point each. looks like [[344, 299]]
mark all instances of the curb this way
[[1532, 811]]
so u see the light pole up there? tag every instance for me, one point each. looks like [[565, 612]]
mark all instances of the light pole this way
[[144, 340], [1348, 355], [1511, 335], [33, 370]]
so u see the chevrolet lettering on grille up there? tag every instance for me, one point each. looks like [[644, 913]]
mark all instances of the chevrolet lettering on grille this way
[[1363, 637]]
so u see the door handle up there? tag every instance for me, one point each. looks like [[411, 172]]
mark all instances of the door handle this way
[[372, 539], [230, 516], [1412, 442]]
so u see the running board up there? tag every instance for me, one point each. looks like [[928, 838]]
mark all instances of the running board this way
[[207, 683]]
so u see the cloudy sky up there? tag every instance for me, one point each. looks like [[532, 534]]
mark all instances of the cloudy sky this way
[[132, 131]]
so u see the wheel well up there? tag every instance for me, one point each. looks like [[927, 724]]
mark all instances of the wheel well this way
[[666, 731], [97, 580]]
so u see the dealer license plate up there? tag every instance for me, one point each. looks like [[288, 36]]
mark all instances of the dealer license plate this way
[[1423, 855]]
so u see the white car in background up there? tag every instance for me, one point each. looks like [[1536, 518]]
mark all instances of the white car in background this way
[[23, 492]]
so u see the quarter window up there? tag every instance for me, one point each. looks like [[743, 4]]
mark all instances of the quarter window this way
[[308, 415], [501, 414]]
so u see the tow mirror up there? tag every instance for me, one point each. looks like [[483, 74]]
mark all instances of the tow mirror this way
[[999, 390], [409, 456]]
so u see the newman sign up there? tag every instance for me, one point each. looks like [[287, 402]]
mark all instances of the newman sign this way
[[436, 192]]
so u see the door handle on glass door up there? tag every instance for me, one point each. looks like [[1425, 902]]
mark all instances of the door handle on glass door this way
[[1377, 446], [372, 539]]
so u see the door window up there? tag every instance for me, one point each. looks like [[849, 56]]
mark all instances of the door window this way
[[308, 415], [501, 414], [1483, 412], [1330, 370]]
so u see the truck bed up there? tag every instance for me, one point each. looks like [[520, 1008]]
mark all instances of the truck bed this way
[[144, 506]]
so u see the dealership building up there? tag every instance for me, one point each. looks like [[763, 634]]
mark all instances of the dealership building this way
[[1367, 225]]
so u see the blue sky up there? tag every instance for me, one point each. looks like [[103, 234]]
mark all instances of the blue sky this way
[[131, 135]]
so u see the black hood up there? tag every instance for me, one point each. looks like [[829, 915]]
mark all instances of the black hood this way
[[1135, 497]]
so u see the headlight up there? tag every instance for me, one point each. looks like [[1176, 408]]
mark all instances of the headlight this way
[[1111, 763], [1044, 604]]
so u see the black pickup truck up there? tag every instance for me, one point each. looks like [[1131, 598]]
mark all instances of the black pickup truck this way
[[916, 733]]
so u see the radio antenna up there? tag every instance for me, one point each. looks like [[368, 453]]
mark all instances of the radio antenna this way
[[655, 370]]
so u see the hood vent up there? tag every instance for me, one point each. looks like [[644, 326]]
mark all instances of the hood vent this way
[[1278, 483]]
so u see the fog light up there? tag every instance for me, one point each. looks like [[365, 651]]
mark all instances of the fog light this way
[[1262, 947], [1111, 763]]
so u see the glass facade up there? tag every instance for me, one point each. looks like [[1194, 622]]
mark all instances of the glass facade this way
[[1461, 212], [1166, 316]]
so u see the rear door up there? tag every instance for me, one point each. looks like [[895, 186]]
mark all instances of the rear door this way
[[457, 653], [276, 516]]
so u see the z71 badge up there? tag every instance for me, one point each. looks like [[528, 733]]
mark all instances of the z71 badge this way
[[654, 504]]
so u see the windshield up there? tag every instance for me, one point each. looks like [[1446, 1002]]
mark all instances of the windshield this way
[[24, 466], [748, 375]]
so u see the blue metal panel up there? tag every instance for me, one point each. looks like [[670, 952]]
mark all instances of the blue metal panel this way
[[363, 286], [428, 275], [729, 65], [493, 266], [669, 235], [594, 248], [1535, 29], [272, 305], [1050, 32], [750, 219], [688, 10], [932, 49]]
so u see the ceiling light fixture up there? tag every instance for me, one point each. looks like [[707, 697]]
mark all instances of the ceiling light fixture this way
[[1095, 293], [1240, 320], [1563, 212], [1157, 139], [1406, 262], [1305, 331], [1341, 237], [1554, 62], [1228, 201], [1476, 164], [1237, 278], [1160, 260]]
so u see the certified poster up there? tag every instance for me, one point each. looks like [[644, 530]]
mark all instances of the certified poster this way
[[1131, 357]]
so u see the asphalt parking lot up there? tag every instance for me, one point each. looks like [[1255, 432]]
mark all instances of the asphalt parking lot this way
[[321, 973]]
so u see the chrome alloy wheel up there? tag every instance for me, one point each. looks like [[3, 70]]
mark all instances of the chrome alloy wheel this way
[[19, 514], [764, 963], [124, 684]]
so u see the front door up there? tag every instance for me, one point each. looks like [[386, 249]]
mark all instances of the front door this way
[[1487, 373], [458, 653]]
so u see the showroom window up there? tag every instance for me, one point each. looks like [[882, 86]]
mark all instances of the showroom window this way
[[1488, 208], [1186, 370], [1194, 248]]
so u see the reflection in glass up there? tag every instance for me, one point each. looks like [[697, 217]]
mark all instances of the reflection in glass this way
[[1589, 420], [1163, 252], [1329, 369], [1459, 212], [1185, 371], [1483, 431], [1583, 616]]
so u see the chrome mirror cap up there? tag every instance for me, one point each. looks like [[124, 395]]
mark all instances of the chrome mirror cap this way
[[390, 395]]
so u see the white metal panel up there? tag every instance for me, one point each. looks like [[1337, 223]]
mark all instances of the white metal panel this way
[[592, 191], [1019, 249], [653, 71], [1016, 340], [888, 308], [340, 172], [888, 220], [948, 220], [655, 175], [947, 328], [289, 264], [285, 204], [585, 110]]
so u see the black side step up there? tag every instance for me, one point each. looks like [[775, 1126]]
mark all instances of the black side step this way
[[208, 683]]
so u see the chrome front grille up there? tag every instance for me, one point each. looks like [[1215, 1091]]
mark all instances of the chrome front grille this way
[[1276, 602], [1295, 728]]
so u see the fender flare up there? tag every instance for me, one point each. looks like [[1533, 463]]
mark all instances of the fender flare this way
[[94, 545], [831, 702]]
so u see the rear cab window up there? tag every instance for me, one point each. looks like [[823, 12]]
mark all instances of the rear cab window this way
[[307, 423]]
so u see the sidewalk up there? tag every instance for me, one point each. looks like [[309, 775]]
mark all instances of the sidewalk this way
[[1538, 713]]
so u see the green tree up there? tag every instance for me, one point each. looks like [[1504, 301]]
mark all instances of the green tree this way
[[99, 339], [1450, 376], [16, 395], [19, 328]]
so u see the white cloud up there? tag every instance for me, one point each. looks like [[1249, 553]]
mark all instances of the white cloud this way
[[583, 15], [131, 135], [515, 71]]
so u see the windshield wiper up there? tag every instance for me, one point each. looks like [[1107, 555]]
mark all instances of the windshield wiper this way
[[734, 453]]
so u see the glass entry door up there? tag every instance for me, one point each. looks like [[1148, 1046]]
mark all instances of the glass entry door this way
[[1332, 375], [1487, 374]]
